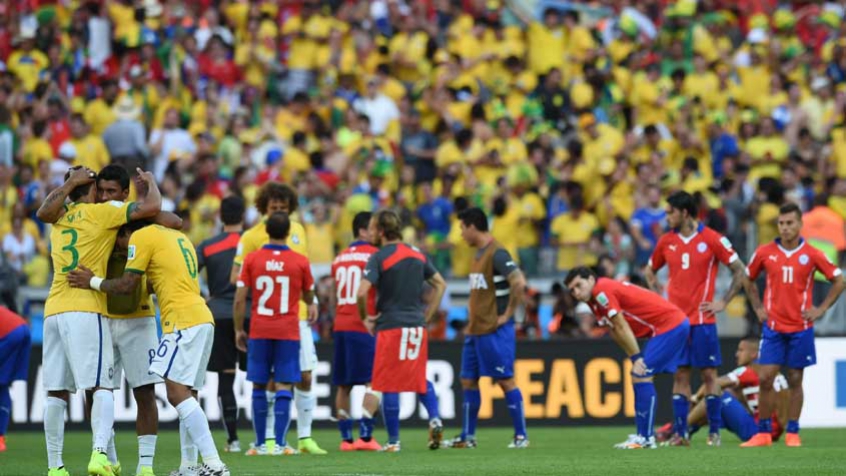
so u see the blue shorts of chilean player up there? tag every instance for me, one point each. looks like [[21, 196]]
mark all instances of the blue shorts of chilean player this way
[[280, 356], [354, 353], [489, 355], [662, 353], [703, 348], [795, 350], [14, 355], [736, 418]]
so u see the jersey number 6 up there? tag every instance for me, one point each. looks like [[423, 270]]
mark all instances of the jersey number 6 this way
[[412, 337]]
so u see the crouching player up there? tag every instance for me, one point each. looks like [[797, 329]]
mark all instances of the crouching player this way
[[739, 399], [633, 312], [279, 277]]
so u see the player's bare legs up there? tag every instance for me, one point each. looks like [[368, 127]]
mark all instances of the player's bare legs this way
[[794, 410], [54, 429], [766, 404], [146, 425], [681, 407], [193, 419]]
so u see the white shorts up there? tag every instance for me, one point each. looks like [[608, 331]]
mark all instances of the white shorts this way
[[77, 352], [308, 354], [182, 355], [134, 342]]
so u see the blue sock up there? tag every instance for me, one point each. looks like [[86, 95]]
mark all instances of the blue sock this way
[[472, 402], [390, 411], [765, 425], [715, 413], [430, 401], [645, 408], [345, 426], [260, 415], [514, 399], [693, 429], [681, 407], [6, 408], [282, 412], [365, 428], [792, 427]]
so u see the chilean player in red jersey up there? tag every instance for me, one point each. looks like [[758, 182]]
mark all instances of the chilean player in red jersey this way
[[354, 345], [692, 252], [14, 362], [398, 272], [279, 277], [633, 312], [740, 399], [787, 316]]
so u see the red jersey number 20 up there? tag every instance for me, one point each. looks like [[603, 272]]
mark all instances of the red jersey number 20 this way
[[412, 338], [349, 280]]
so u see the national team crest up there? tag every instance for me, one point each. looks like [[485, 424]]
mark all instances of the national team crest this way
[[804, 259], [602, 299], [130, 252], [295, 239], [701, 247]]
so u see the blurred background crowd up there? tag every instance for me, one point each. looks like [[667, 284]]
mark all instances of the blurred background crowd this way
[[568, 122]]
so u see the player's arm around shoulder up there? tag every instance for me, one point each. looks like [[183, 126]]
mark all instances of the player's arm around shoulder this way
[[84, 278], [151, 204]]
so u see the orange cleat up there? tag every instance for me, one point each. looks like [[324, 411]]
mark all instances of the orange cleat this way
[[371, 445], [3, 443], [793, 440], [348, 446], [760, 439]]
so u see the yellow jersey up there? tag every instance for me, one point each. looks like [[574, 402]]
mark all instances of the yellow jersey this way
[[170, 262], [138, 304], [256, 237], [84, 235]]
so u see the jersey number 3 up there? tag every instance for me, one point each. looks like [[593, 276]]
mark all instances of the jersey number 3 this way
[[265, 284], [412, 337]]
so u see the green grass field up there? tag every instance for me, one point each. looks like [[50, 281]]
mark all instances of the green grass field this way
[[554, 451]]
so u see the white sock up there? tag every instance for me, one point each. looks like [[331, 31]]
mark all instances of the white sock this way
[[192, 416], [189, 450], [102, 419], [305, 402], [270, 432], [54, 430], [146, 451], [111, 450]]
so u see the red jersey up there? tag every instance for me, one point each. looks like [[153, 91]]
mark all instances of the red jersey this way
[[647, 313], [347, 270], [278, 276], [746, 378], [9, 321], [693, 263], [790, 282]]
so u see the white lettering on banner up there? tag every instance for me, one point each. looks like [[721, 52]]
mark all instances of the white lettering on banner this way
[[821, 386]]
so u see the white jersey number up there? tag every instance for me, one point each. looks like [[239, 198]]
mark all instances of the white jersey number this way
[[685, 260], [265, 284], [348, 279], [412, 337], [787, 274]]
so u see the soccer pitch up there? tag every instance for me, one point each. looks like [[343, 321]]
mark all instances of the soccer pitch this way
[[554, 451]]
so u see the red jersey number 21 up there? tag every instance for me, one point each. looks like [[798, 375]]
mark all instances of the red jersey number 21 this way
[[412, 337]]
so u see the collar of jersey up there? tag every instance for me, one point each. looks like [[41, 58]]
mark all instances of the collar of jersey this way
[[359, 243], [276, 247], [801, 242]]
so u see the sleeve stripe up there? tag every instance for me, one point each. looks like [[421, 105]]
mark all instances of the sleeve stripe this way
[[733, 258], [134, 271], [837, 272], [131, 208]]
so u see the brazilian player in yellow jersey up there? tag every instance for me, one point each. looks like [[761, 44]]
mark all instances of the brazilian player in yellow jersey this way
[[169, 261], [77, 348], [276, 197]]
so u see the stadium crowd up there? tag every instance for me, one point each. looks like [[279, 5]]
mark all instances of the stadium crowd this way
[[569, 125]]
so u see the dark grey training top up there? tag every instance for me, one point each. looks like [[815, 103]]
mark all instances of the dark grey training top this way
[[398, 272], [216, 255]]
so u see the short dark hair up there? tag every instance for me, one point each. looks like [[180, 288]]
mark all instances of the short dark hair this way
[[578, 272], [278, 226], [133, 226], [474, 217], [388, 221], [361, 220], [790, 208], [81, 190], [115, 173], [232, 210], [683, 201], [276, 191]]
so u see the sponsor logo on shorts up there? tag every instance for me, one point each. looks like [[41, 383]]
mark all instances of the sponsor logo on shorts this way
[[500, 369]]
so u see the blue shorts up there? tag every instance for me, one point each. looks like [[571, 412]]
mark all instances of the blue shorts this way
[[736, 418], [489, 355], [353, 363], [14, 355], [795, 350], [703, 348], [282, 357], [663, 352]]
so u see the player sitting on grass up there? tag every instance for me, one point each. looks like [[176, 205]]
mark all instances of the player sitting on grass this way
[[633, 312], [739, 399]]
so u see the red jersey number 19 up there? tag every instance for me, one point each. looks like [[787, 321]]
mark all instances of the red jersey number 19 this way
[[412, 337], [266, 285], [348, 279]]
